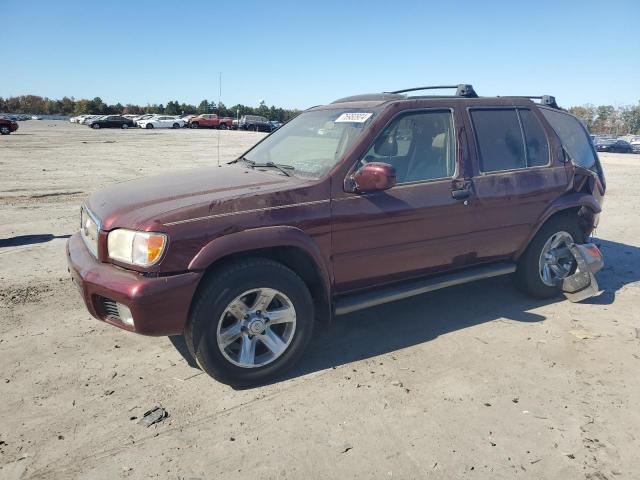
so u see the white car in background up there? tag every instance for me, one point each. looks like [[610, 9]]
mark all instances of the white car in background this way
[[140, 118], [77, 118], [161, 121]]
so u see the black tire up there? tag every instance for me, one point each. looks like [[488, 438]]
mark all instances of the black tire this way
[[176, 125], [219, 291], [124, 126], [195, 125], [4, 130], [95, 126], [223, 126], [528, 277], [149, 126]]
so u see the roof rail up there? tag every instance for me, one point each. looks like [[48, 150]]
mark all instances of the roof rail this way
[[462, 89]]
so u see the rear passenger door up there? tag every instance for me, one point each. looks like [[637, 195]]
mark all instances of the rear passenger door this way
[[515, 178]]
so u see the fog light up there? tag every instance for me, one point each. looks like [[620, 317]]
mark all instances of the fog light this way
[[125, 314]]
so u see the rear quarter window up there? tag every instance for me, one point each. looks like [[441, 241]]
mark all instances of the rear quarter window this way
[[573, 135]]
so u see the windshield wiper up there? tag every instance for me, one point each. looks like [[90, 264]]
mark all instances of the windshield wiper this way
[[281, 167]]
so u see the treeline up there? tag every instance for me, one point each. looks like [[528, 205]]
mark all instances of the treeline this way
[[36, 105], [599, 119], [609, 119]]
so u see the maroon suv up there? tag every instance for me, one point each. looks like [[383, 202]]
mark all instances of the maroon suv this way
[[370, 199], [7, 125]]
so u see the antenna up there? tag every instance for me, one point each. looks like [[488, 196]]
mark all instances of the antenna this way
[[219, 112]]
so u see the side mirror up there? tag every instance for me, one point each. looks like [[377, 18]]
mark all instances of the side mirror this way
[[374, 176]]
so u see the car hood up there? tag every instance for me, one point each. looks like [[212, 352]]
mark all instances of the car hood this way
[[150, 202]]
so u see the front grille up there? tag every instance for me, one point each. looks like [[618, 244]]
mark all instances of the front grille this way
[[110, 309]]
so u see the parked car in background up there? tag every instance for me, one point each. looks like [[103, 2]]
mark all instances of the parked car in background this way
[[88, 118], [614, 146], [110, 121], [417, 194], [275, 124], [635, 146], [211, 120], [161, 121], [254, 123], [188, 117], [140, 118], [7, 125]]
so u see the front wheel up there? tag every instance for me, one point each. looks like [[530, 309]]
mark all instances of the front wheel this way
[[195, 125], [95, 126], [547, 261], [4, 130], [176, 125], [223, 126], [149, 126], [250, 322], [124, 126]]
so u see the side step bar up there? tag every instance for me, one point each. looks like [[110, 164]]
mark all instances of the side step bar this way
[[360, 301]]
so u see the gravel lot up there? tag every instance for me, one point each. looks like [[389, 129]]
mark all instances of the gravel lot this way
[[476, 381]]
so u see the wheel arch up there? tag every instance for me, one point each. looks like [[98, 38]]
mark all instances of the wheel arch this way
[[287, 245], [583, 205]]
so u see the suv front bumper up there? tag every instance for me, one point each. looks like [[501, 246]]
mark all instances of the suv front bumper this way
[[159, 305]]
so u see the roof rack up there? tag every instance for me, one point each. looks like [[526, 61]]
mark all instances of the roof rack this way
[[462, 89], [546, 100]]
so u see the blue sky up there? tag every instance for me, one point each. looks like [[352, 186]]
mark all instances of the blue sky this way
[[303, 53]]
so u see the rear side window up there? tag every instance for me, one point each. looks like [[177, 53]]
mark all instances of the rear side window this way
[[573, 136], [535, 139], [499, 139], [509, 139]]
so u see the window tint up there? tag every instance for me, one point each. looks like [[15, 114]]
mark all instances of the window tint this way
[[536, 140], [421, 146], [499, 139], [573, 136]]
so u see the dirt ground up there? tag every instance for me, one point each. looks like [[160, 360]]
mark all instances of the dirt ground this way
[[475, 381]]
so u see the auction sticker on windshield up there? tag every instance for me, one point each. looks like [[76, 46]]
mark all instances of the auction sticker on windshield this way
[[354, 117]]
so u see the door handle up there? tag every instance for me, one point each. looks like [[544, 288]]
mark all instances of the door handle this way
[[460, 194]]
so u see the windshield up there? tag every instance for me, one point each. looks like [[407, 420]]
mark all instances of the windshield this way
[[314, 141]]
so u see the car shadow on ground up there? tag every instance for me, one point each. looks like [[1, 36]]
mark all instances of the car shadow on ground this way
[[22, 240], [409, 322]]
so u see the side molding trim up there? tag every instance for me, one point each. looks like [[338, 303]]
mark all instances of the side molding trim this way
[[361, 301]]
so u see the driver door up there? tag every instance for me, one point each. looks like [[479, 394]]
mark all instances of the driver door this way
[[414, 228]]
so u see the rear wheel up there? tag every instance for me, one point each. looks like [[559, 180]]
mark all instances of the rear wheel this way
[[223, 126], [95, 126], [149, 125], [195, 125], [124, 126], [250, 322], [4, 130], [547, 261], [176, 125]]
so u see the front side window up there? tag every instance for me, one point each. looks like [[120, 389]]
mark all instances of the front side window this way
[[313, 142], [573, 136], [421, 146]]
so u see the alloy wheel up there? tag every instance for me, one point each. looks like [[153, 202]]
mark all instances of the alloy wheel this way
[[256, 328], [556, 261]]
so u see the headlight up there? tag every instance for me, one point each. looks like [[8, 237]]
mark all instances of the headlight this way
[[136, 248]]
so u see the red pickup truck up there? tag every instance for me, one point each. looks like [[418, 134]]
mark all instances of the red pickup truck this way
[[211, 120]]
